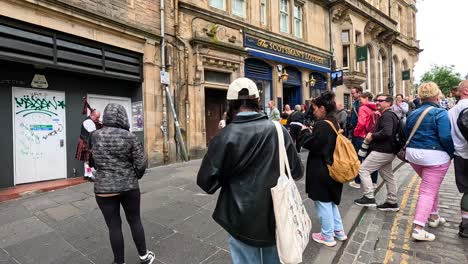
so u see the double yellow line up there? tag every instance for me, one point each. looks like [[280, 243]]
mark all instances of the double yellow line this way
[[394, 231]]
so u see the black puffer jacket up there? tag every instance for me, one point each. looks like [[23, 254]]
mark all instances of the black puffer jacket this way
[[242, 160], [118, 154]]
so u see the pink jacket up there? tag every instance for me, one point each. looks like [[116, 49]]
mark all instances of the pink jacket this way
[[367, 118]]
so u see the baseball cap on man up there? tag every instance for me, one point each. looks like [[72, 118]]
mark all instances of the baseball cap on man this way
[[242, 88]]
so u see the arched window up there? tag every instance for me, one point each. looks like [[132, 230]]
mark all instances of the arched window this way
[[404, 82], [368, 70], [380, 72], [394, 79]]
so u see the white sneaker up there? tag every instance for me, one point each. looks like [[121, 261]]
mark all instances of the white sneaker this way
[[436, 223], [422, 235], [355, 185]]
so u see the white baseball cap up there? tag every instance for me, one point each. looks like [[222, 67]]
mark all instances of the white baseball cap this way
[[238, 85]]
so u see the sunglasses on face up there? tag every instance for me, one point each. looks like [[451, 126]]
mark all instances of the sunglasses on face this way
[[380, 100]]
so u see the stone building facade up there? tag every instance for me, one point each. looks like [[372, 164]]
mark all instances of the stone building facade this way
[[55, 52], [388, 29], [265, 40], [110, 51]]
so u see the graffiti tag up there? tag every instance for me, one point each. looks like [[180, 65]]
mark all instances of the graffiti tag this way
[[35, 105], [54, 132]]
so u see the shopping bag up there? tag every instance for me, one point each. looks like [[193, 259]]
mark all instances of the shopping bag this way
[[293, 224]]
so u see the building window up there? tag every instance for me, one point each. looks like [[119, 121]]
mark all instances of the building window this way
[[217, 77], [394, 79], [238, 7], [357, 38], [368, 71], [284, 16], [380, 68], [345, 41], [263, 12], [345, 36], [398, 19], [403, 88], [345, 57], [298, 20], [218, 4]]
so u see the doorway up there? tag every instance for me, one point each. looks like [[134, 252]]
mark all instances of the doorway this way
[[292, 87], [291, 95], [39, 131], [215, 105]]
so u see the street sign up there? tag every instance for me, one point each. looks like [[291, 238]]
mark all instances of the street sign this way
[[165, 79], [39, 81], [405, 75], [361, 53]]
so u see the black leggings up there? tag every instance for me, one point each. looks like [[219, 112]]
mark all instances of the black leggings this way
[[110, 208]]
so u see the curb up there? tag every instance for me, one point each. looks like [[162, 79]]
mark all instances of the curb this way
[[36, 188]]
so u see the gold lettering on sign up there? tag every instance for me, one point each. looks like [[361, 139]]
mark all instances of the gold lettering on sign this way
[[262, 43], [289, 51]]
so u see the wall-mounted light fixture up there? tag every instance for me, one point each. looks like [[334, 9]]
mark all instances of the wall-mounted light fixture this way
[[282, 74], [310, 82]]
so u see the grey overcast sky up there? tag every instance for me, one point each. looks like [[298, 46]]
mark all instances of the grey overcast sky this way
[[442, 28]]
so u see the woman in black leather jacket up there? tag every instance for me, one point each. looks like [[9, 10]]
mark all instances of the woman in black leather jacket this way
[[243, 160]]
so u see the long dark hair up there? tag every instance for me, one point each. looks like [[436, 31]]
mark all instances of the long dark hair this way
[[327, 100]]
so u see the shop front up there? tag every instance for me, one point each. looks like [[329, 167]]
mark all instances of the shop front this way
[[284, 73], [48, 74]]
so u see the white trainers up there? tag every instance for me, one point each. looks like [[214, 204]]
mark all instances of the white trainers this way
[[436, 223], [355, 185], [422, 235]]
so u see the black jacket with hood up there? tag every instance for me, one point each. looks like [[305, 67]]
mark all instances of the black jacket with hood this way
[[243, 160], [118, 155]]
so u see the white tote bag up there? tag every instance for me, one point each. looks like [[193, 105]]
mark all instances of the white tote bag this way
[[293, 224]]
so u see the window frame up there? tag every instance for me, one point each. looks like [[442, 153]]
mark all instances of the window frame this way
[[234, 11], [286, 13], [380, 71], [223, 2], [263, 12], [348, 32], [357, 42], [347, 48], [300, 7]]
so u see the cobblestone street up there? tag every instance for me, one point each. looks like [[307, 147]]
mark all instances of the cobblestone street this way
[[385, 237]]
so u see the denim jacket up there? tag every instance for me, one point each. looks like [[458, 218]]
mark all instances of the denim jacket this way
[[434, 131]]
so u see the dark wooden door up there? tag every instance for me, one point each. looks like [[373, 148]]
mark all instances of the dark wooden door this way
[[215, 101]]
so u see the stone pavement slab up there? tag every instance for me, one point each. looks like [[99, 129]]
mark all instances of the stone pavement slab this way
[[66, 226]]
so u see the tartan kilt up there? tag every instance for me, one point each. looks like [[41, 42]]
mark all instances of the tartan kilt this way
[[82, 151]]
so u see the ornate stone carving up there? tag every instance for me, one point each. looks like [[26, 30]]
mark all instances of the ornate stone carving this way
[[338, 13], [216, 33], [215, 62]]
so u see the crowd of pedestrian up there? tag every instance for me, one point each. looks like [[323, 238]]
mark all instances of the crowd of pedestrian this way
[[242, 162]]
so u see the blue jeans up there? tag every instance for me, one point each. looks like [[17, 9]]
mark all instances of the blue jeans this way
[[357, 143], [330, 218], [242, 253]]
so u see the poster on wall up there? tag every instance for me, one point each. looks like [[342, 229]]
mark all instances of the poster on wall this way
[[137, 116]]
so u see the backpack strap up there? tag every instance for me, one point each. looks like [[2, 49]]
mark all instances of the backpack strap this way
[[418, 123], [331, 124]]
